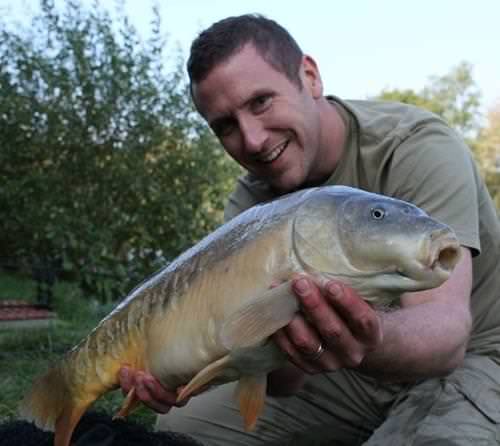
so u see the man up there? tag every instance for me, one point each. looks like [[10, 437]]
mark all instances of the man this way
[[427, 372]]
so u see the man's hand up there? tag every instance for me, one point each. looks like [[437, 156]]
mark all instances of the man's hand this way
[[149, 390], [335, 329]]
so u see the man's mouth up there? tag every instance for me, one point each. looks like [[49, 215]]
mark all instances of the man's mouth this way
[[274, 154]]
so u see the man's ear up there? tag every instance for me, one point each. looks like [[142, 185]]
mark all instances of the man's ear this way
[[311, 77]]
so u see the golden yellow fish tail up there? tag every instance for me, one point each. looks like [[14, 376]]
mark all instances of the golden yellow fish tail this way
[[51, 405], [46, 400], [60, 397]]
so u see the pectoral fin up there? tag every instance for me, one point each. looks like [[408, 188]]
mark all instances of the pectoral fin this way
[[251, 394], [210, 372], [260, 318]]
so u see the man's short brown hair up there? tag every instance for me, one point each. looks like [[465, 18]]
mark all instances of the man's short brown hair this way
[[226, 37]]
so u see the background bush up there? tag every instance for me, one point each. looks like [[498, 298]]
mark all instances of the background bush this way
[[104, 165]]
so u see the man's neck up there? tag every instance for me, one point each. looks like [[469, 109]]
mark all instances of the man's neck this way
[[334, 131]]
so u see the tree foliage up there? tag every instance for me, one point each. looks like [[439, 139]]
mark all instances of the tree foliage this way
[[487, 151], [102, 158], [455, 97]]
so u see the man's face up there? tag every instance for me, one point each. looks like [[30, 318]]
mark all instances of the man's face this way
[[267, 123]]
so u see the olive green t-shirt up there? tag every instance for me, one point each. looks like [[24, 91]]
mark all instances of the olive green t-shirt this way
[[408, 153]]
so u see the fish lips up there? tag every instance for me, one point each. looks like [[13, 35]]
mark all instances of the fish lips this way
[[434, 266]]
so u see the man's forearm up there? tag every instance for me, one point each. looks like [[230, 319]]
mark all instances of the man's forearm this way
[[420, 341]]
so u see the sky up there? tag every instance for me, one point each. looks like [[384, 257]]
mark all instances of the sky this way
[[361, 46]]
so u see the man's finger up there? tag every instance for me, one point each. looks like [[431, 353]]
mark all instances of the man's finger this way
[[333, 331], [362, 320], [126, 379], [341, 319], [301, 343], [319, 312], [148, 390], [282, 339]]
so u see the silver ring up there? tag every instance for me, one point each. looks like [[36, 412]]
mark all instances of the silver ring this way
[[316, 355]]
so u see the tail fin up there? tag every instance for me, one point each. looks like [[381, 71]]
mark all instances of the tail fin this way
[[51, 405], [46, 400]]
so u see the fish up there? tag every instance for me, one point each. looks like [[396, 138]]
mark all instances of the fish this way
[[206, 318]]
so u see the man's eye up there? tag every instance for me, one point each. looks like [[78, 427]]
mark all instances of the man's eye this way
[[261, 103], [223, 129]]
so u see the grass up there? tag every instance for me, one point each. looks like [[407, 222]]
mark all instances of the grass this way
[[26, 353]]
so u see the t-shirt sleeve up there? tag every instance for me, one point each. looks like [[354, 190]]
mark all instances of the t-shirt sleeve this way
[[432, 167]]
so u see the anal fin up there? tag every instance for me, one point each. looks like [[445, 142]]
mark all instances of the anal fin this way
[[251, 395]]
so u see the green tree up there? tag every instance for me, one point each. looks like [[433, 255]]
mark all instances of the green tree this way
[[102, 157], [458, 98], [408, 96], [487, 151], [455, 97]]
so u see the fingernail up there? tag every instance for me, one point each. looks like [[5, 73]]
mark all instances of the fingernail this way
[[301, 286], [335, 290]]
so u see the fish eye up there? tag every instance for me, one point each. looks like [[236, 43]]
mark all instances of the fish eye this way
[[378, 213]]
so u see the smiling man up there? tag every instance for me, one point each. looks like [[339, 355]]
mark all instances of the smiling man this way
[[425, 372], [268, 124]]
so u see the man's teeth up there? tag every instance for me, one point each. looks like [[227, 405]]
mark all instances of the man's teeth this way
[[275, 153]]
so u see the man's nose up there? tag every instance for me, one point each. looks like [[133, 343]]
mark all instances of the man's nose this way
[[253, 133]]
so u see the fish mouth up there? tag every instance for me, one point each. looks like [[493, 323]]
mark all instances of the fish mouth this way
[[442, 254], [273, 154]]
